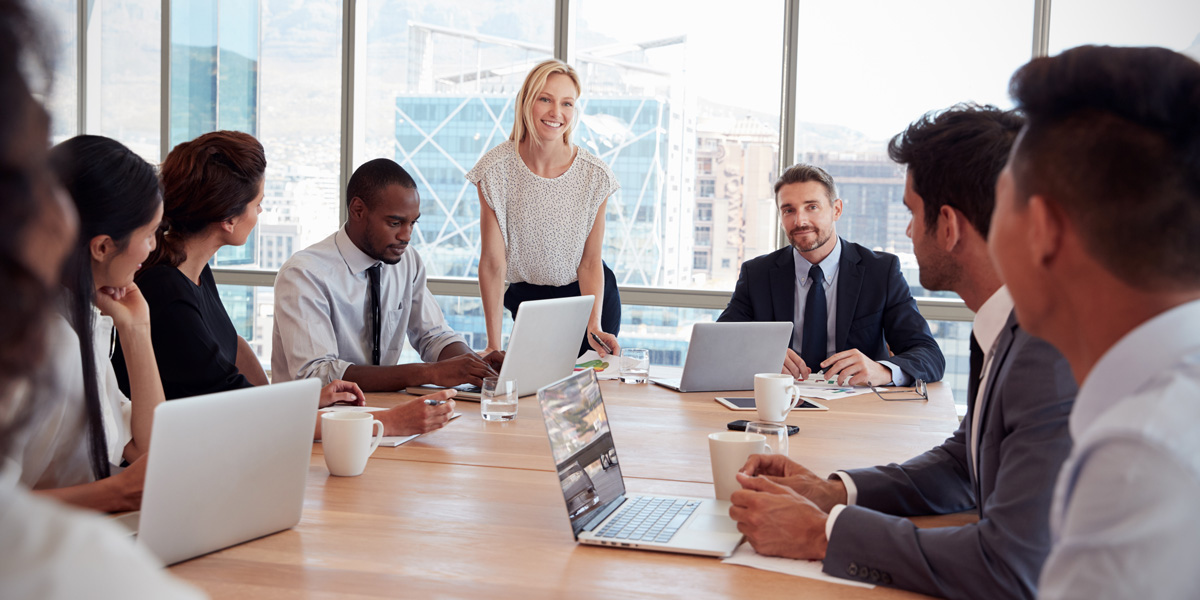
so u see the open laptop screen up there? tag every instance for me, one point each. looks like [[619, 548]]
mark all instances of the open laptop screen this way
[[582, 445]]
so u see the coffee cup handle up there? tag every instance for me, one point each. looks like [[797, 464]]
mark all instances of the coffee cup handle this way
[[378, 436], [794, 392]]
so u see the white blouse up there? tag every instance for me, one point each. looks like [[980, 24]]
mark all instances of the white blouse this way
[[544, 222], [53, 450], [51, 551]]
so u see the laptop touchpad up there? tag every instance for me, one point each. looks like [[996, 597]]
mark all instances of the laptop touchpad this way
[[713, 523]]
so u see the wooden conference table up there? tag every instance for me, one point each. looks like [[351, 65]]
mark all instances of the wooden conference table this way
[[475, 510]]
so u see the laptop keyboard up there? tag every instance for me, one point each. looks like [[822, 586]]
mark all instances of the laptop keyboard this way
[[649, 519]]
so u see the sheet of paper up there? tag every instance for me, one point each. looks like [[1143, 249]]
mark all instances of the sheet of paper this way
[[818, 387], [612, 368], [388, 441], [747, 557]]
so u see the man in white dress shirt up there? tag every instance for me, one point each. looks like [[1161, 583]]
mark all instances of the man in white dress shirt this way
[[1003, 459], [344, 305], [1097, 232]]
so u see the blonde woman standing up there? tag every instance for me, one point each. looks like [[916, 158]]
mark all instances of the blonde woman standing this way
[[542, 202]]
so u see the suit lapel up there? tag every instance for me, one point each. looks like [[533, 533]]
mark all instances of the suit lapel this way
[[783, 285], [1003, 344], [850, 278]]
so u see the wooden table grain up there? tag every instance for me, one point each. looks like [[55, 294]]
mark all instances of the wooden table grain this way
[[475, 510]]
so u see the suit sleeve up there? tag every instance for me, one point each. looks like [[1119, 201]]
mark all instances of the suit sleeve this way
[[907, 333], [1002, 554], [739, 307]]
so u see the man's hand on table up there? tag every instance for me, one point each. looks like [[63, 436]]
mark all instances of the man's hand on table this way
[[823, 493], [777, 521], [418, 416]]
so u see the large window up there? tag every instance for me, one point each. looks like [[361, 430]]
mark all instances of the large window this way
[[670, 94], [130, 74], [1168, 23], [441, 79], [860, 84]]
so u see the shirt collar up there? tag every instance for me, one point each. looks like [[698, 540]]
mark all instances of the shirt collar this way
[[1148, 351], [992, 316], [356, 259], [829, 265]]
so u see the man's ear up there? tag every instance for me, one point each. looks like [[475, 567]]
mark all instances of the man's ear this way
[[102, 247], [949, 228], [1047, 225], [357, 208], [837, 209]]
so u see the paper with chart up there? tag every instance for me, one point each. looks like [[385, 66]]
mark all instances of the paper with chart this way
[[388, 441], [816, 386], [608, 367]]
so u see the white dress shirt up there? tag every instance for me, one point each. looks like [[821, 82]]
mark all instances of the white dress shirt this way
[[830, 266], [989, 322], [322, 312], [51, 552], [1124, 517], [53, 449]]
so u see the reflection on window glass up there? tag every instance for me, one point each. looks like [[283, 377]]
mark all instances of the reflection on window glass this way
[[1167, 23], [61, 18], [235, 65], [683, 107], [441, 78], [130, 69], [864, 83]]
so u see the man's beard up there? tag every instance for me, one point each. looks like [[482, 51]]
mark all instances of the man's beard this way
[[822, 238]]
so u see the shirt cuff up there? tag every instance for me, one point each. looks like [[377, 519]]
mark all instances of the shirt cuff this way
[[833, 515], [899, 377], [851, 489]]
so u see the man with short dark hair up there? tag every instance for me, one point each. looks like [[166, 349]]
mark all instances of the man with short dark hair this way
[[344, 304], [1096, 234], [852, 313], [1003, 459]]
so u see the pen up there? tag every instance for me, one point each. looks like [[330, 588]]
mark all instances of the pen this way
[[601, 342], [432, 402]]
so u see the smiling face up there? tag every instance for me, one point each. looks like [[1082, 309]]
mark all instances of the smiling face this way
[[385, 225], [553, 109], [1012, 252], [118, 267], [807, 215]]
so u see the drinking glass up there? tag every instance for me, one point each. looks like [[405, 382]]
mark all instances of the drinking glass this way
[[635, 365], [498, 399], [776, 434]]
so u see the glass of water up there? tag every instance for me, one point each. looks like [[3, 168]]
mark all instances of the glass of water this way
[[776, 434], [498, 401], [635, 365]]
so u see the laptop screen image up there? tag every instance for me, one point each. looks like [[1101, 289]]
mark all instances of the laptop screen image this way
[[582, 445]]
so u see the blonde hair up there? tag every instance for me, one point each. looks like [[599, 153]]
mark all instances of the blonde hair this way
[[535, 82]]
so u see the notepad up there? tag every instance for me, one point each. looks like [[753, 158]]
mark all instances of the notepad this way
[[388, 441]]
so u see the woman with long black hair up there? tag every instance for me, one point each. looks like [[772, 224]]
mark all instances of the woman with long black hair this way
[[72, 451]]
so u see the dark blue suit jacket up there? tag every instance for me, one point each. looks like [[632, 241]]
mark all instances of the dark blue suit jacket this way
[[875, 310]]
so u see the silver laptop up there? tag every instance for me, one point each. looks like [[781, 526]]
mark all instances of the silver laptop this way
[[542, 348], [725, 356], [225, 468], [598, 508]]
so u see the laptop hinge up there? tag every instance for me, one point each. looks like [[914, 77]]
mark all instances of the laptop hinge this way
[[603, 513]]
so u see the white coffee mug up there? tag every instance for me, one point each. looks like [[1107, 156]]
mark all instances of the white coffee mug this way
[[729, 451], [775, 395], [346, 441]]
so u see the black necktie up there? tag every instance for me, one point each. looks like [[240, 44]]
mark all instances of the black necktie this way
[[976, 371], [813, 345], [373, 275]]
